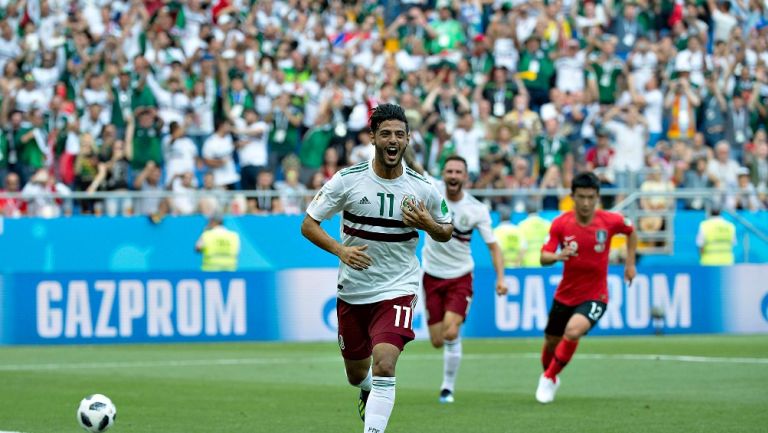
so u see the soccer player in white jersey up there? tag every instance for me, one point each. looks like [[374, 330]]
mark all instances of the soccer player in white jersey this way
[[382, 203], [448, 271]]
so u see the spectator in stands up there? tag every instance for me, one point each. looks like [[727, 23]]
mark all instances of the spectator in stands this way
[[715, 108], [144, 138], [550, 147], [723, 167], [363, 150], [292, 192], [179, 152], [184, 200], [12, 207], [599, 159], [758, 169], [553, 181], [627, 27], [210, 200], [149, 181], [698, 177], [86, 169], [468, 143], [523, 123], [36, 192], [267, 197], [284, 136], [630, 135], [218, 152], [252, 135], [570, 67], [520, 179], [655, 182], [536, 70], [744, 195], [681, 102], [604, 71], [30, 96], [113, 176], [651, 101], [738, 130]]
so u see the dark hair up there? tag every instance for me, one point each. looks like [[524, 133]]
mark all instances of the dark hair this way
[[586, 180], [455, 157], [385, 112]]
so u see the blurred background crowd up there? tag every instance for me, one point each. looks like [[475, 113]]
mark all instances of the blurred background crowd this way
[[272, 97]]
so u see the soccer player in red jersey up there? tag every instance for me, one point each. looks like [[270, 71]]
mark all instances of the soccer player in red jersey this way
[[584, 238]]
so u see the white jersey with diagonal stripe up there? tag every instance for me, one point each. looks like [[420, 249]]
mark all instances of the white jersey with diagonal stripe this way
[[454, 258], [371, 216]]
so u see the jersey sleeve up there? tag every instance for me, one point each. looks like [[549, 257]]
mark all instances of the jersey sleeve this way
[[553, 239], [622, 224], [437, 206], [329, 200], [484, 226]]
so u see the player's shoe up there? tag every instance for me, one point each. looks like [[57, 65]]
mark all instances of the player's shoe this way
[[446, 396], [545, 393], [362, 402]]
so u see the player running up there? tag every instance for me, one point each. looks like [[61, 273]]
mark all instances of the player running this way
[[448, 271], [584, 237], [382, 203]]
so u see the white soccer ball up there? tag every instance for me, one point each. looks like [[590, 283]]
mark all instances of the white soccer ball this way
[[96, 413]]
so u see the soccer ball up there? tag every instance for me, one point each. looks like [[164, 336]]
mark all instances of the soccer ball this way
[[96, 413]]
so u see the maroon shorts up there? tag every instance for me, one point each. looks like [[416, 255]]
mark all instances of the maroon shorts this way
[[447, 294], [363, 326]]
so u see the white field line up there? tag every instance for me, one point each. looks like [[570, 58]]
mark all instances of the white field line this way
[[311, 360], [3, 431]]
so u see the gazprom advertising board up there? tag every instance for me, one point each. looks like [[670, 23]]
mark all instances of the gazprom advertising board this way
[[299, 305]]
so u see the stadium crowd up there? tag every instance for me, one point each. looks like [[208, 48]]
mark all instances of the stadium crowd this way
[[197, 96]]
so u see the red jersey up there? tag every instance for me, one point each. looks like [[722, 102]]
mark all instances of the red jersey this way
[[585, 277]]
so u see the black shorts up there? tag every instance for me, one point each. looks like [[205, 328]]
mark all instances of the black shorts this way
[[560, 314]]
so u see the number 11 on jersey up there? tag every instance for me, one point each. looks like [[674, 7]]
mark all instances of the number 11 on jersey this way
[[398, 312]]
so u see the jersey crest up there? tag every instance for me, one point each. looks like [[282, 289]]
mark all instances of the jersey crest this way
[[601, 236]]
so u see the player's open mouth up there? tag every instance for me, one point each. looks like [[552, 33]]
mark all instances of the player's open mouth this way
[[392, 151]]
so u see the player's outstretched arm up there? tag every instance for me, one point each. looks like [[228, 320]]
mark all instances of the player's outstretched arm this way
[[353, 256], [419, 217], [497, 257], [630, 270]]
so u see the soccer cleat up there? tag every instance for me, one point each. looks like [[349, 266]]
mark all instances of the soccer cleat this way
[[362, 402], [446, 396], [545, 393]]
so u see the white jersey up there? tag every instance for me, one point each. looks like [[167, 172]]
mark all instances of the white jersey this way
[[371, 216], [454, 258]]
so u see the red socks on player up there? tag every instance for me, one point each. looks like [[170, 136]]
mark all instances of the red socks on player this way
[[563, 353], [546, 356]]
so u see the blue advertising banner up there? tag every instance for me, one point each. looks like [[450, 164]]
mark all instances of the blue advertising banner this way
[[300, 305], [268, 243]]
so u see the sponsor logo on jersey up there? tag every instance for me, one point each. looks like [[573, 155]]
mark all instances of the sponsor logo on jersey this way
[[444, 207], [364, 200]]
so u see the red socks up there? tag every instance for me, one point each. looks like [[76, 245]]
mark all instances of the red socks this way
[[546, 356], [563, 353]]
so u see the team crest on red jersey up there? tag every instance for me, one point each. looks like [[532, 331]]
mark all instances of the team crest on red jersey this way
[[601, 236]]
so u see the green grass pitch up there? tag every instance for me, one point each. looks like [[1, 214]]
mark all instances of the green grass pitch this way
[[703, 384]]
